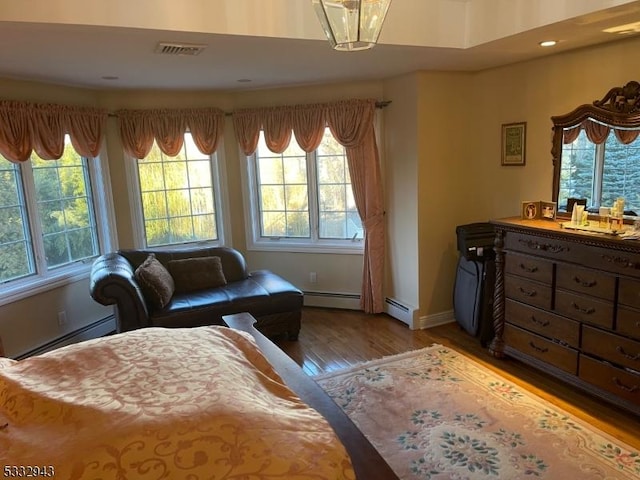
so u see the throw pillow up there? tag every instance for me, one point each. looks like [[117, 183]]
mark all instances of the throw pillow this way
[[197, 273], [155, 281]]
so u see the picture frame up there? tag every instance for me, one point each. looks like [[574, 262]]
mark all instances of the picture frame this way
[[530, 210], [548, 210], [514, 144]]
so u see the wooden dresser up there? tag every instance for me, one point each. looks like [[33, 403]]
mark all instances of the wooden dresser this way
[[568, 302]]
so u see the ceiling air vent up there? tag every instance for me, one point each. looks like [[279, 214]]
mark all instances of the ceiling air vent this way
[[165, 48]]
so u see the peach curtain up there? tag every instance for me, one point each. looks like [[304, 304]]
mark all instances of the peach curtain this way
[[139, 128], [598, 133], [352, 124], [27, 127]]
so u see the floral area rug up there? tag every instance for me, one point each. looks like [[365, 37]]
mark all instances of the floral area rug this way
[[436, 414]]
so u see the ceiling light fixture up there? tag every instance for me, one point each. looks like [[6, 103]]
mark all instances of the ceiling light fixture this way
[[548, 43], [351, 25]]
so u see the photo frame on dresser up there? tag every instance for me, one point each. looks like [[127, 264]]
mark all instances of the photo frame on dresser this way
[[530, 210], [548, 210]]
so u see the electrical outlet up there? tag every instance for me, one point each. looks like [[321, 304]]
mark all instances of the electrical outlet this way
[[62, 318], [313, 277]]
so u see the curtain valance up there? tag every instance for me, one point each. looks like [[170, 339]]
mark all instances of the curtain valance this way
[[349, 119], [598, 132], [139, 128], [352, 124], [27, 127]]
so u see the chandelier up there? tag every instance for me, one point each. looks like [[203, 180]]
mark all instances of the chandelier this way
[[351, 24]]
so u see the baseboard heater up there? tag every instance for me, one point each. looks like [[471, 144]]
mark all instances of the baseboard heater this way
[[400, 311], [101, 328], [350, 301]]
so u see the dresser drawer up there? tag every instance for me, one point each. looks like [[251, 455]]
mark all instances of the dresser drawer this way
[[615, 261], [536, 346], [542, 322], [541, 246], [628, 322], [530, 267], [584, 280], [622, 383], [629, 292], [584, 308], [528, 291], [611, 347]]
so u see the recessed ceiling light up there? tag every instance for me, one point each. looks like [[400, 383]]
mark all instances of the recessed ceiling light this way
[[548, 43]]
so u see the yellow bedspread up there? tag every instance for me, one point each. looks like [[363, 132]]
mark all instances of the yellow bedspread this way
[[198, 403]]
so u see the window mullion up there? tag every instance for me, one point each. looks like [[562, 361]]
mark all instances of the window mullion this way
[[37, 241], [598, 175], [314, 210]]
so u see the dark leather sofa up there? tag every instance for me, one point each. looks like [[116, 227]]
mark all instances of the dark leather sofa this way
[[273, 301]]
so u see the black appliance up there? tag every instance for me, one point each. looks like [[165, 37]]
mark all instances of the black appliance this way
[[475, 278]]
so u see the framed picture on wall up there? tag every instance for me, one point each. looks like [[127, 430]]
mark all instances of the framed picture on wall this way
[[514, 143]]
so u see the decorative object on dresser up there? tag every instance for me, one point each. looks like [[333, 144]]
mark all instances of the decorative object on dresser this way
[[568, 302]]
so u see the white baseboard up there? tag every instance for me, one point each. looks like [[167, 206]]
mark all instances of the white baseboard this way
[[348, 301], [436, 319], [97, 329]]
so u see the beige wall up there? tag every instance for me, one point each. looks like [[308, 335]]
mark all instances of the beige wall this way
[[441, 167], [401, 190], [31, 322]]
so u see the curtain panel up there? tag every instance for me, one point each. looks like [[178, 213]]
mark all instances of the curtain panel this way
[[352, 124], [597, 133], [139, 128], [26, 127]]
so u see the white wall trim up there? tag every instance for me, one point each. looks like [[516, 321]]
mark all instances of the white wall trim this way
[[348, 301], [436, 319]]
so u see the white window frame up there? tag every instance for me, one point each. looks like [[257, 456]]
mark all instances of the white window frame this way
[[313, 244], [43, 279], [219, 183]]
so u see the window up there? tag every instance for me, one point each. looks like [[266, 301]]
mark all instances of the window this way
[[48, 222], [303, 199], [586, 174], [179, 196]]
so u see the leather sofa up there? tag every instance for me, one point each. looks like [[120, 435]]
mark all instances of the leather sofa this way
[[273, 301]]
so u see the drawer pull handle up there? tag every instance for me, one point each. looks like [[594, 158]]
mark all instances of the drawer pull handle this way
[[624, 387], [537, 348], [585, 283], [546, 247], [588, 311], [533, 269], [528, 293], [621, 262], [628, 355], [542, 323]]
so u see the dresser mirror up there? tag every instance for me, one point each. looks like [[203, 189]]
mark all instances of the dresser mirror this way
[[596, 153]]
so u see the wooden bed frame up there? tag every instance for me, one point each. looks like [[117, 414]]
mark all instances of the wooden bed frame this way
[[367, 462]]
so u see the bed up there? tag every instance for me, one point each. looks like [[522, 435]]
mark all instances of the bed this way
[[198, 403]]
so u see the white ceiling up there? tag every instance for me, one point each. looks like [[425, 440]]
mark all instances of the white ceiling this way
[[280, 42]]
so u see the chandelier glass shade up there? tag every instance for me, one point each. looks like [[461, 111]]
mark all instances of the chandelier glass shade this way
[[351, 24]]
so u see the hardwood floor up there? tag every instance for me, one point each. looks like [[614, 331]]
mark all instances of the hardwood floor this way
[[332, 339]]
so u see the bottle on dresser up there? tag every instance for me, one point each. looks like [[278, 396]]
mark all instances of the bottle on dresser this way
[[617, 212]]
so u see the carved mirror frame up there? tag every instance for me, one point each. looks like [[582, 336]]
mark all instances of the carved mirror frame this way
[[620, 107]]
